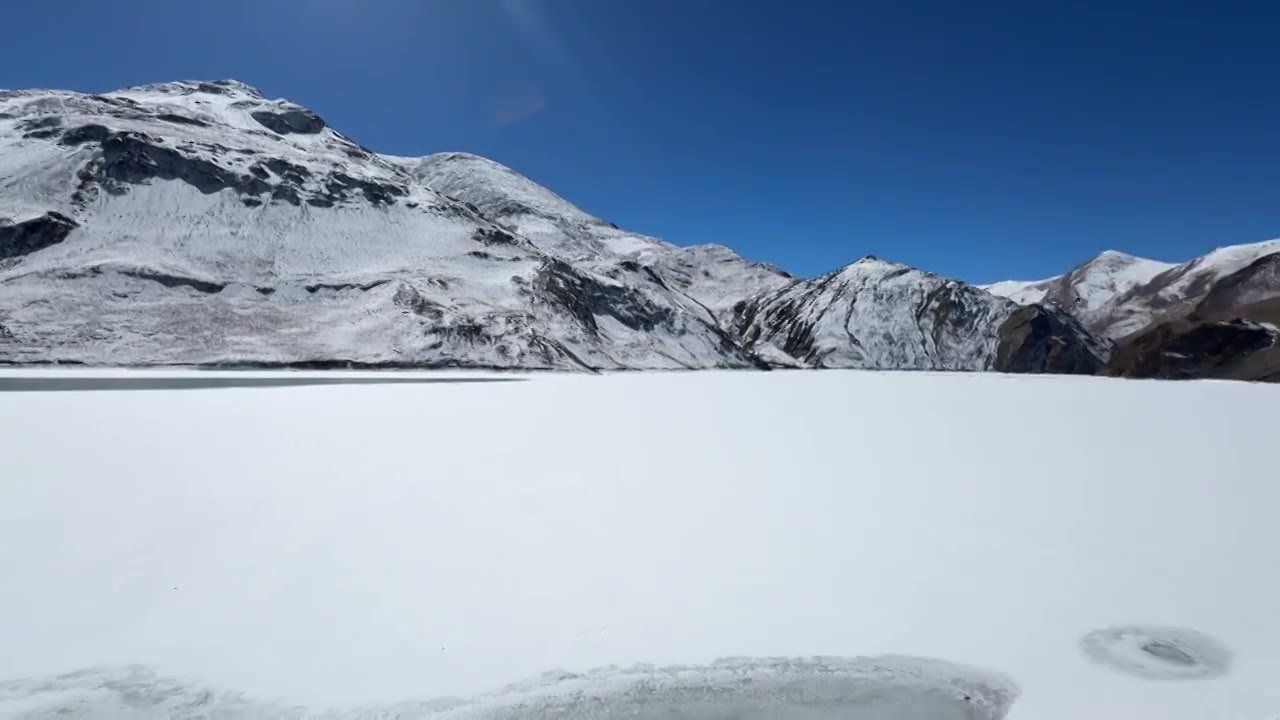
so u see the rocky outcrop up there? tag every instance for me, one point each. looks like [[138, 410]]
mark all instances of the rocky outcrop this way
[[131, 158], [28, 236], [45, 126], [493, 236], [1035, 339], [1184, 350], [92, 132], [1250, 293], [289, 120], [585, 297], [340, 186], [1232, 333]]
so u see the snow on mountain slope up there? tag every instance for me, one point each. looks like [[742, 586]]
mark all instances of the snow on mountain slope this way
[[1176, 292], [877, 314], [199, 222], [448, 551], [1232, 332], [1088, 291], [713, 277], [1117, 295], [1023, 292]]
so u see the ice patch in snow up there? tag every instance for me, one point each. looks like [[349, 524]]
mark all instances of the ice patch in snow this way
[[1157, 653], [883, 688]]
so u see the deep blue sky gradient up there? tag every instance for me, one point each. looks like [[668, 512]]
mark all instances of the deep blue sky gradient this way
[[982, 140]]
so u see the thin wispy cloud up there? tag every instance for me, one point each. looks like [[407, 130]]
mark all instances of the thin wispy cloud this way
[[515, 108], [542, 40], [564, 74]]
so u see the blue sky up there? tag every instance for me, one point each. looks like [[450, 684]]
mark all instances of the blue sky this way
[[981, 140]]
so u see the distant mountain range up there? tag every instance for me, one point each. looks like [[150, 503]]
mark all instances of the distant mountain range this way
[[1213, 316], [200, 223]]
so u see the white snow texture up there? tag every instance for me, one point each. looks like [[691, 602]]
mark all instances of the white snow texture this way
[[409, 550]]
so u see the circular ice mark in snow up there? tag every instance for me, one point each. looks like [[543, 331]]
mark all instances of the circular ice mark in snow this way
[[1157, 653]]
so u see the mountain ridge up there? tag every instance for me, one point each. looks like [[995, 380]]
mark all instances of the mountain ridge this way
[[199, 222], [1210, 316]]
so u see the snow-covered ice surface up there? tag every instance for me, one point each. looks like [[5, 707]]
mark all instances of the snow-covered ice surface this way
[[513, 550], [1158, 653]]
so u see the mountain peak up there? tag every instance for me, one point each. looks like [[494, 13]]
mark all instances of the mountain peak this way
[[192, 87], [873, 265], [1116, 255]]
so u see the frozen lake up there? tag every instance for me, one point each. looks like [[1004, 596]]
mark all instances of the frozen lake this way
[[272, 544]]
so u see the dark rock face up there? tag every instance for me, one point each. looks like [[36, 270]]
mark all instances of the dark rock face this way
[[1244, 293], [756, 320], [28, 236], [339, 187], [170, 281], [134, 158], [181, 119], [174, 281], [584, 298], [493, 236], [338, 287], [287, 170], [286, 194], [1223, 337], [41, 127], [1036, 339], [84, 134], [1187, 349], [291, 120], [945, 312]]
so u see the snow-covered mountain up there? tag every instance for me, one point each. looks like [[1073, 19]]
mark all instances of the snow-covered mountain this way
[[1116, 295], [1213, 316], [877, 314], [1089, 291], [1232, 330], [202, 223]]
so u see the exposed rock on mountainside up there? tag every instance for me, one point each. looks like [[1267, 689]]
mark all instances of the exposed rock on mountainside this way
[[1232, 333], [27, 236], [1250, 293], [1213, 316], [1040, 339], [1181, 350]]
